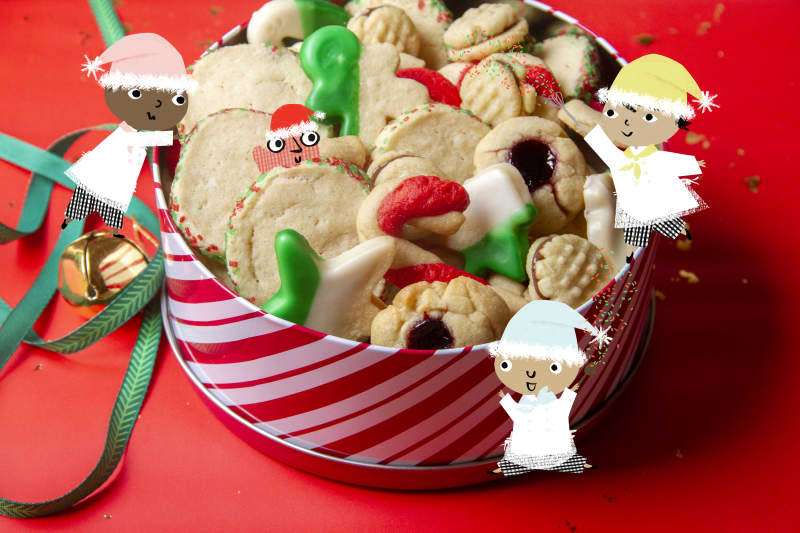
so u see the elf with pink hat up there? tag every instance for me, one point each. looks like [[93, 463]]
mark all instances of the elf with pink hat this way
[[146, 87], [293, 137]]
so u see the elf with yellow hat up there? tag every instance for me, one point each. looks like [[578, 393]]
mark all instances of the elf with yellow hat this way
[[645, 106]]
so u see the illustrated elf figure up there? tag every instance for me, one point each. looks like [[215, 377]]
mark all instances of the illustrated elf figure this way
[[645, 106], [538, 356], [292, 138], [146, 87]]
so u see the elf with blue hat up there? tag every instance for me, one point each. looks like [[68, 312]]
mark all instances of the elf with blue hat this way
[[538, 357]]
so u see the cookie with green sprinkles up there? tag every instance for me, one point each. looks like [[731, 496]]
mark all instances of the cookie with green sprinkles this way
[[319, 199], [574, 60]]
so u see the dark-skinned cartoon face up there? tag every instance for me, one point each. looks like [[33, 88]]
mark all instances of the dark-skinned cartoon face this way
[[147, 109], [530, 375], [636, 126], [291, 151]]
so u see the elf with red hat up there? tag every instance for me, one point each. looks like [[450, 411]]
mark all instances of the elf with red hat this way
[[146, 87], [292, 137]]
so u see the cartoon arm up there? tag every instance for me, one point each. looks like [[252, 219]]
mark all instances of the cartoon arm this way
[[680, 164], [510, 406], [149, 138], [604, 148], [567, 398]]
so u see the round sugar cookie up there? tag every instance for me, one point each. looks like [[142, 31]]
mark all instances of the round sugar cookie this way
[[431, 18], [248, 76], [215, 166], [319, 200], [443, 134], [550, 163]]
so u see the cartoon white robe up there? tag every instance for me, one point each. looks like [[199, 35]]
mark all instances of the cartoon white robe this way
[[541, 434], [109, 172], [647, 181]]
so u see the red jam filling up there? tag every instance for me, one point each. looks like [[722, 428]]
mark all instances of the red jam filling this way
[[430, 334], [535, 162]]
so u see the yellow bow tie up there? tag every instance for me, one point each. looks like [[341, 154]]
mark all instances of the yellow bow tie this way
[[637, 169]]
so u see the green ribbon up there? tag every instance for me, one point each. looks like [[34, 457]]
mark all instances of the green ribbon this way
[[48, 168], [123, 417]]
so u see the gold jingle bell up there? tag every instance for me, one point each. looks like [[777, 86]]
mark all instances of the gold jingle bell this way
[[94, 268]]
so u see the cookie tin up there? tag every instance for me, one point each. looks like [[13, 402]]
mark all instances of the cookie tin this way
[[365, 414]]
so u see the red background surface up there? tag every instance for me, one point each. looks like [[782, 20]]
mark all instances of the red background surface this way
[[703, 438]]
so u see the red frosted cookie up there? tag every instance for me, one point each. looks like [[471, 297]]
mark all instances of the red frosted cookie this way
[[439, 88]]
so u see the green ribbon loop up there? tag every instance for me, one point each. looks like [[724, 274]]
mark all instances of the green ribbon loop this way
[[123, 417], [48, 168]]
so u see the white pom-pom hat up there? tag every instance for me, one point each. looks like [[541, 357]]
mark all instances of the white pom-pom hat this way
[[545, 329], [141, 61]]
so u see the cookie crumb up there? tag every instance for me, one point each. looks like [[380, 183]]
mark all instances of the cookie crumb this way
[[683, 245], [645, 38], [660, 296], [720, 53], [718, 10], [37, 367], [10, 204], [673, 31], [745, 281], [205, 44], [694, 138], [703, 28], [740, 151], [691, 277], [107, 516], [706, 144], [752, 183], [678, 454], [215, 9]]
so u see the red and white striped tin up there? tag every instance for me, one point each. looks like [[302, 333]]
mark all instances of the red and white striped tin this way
[[364, 414]]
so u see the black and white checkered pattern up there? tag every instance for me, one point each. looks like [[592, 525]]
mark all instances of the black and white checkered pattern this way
[[573, 465], [83, 203], [640, 235]]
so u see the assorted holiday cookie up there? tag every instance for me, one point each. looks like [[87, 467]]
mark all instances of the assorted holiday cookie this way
[[601, 209], [565, 268], [386, 24], [494, 236], [443, 134], [575, 62], [215, 166], [394, 178], [320, 200], [431, 19], [311, 287], [246, 76], [484, 30], [550, 163], [278, 20], [440, 315]]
